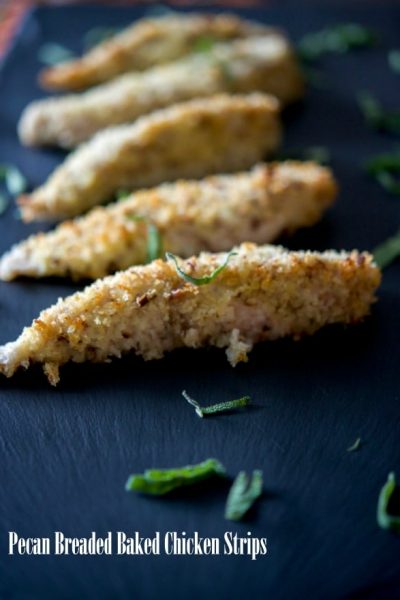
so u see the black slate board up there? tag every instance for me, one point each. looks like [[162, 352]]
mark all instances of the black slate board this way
[[66, 453]]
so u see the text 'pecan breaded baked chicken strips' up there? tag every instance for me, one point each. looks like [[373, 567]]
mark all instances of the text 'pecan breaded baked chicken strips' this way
[[263, 293], [146, 43], [256, 64], [212, 214], [188, 140]]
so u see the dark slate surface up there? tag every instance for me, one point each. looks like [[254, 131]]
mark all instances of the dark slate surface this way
[[66, 453]]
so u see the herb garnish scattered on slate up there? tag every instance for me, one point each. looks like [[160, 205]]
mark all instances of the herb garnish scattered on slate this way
[[161, 481], [355, 446], [199, 280], [242, 495], [385, 519], [394, 60], [383, 168], [388, 251], [52, 54], [319, 154], [339, 38], [15, 183], [221, 407], [376, 116]]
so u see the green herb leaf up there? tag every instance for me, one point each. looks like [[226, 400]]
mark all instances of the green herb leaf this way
[[53, 54], [16, 182], [199, 280], [388, 251], [122, 194], [355, 446], [319, 154], [154, 241], [383, 168], [4, 202], [161, 481], [242, 495], [394, 60], [385, 519], [339, 38], [376, 116], [204, 43], [97, 35], [201, 411]]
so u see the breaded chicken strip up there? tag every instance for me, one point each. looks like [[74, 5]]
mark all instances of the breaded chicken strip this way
[[264, 293], [212, 214], [146, 43], [188, 140], [255, 64]]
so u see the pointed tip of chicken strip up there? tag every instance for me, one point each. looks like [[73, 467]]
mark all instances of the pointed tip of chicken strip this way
[[191, 139], [146, 43], [214, 214], [263, 293]]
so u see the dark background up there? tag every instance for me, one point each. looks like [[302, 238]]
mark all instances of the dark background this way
[[66, 452]]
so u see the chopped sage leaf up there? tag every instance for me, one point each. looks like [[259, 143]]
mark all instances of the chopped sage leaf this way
[[385, 519], [158, 482], [97, 35], [201, 411], [199, 280], [242, 495], [376, 116], [52, 54], [15, 182], [388, 251], [338, 38], [394, 60], [4, 203], [355, 446], [154, 241], [384, 169], [122, 194]]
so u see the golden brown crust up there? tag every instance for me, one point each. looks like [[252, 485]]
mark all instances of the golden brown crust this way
[[144, 44], [212, 214], [188, 140], [255, 64], [264, 293]]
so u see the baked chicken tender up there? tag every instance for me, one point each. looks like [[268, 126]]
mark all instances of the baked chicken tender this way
[[256, 64], [212, 214], [264, 293], [189, 140], [146, 43]]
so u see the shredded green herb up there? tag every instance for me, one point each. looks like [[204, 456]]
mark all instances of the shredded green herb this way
[[338, 39], [202, 411], [161, 481], [199, 280], [384, 169], [242, 495], [385, 519], [53, 54], [394, 60], [15, 182], [97, 35], [355, 446], [122, 194], [319, 154], [388, 251], [4, 202], [376, 116], [204, 43], [154, 241]]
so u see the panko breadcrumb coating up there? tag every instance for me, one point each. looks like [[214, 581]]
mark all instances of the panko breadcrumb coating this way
[[264, 293], [188, 140], [212, 214], [146, 43], [255, 64]]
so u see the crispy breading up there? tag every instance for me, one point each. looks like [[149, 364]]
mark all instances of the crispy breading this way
[[256, 64], [146, 43], [189, 140], [264, 293], [211, 214]]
